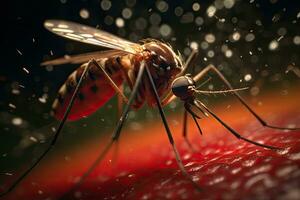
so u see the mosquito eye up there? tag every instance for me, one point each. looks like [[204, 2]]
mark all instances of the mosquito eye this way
[[183, 87], [164, 66]]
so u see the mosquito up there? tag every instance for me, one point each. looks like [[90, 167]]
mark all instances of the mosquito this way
[[155, 74]]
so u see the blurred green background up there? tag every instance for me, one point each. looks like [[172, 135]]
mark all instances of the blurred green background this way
[[254, 43]]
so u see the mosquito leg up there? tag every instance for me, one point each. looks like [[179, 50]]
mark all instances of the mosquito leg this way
[[116, 133], [114, 157], [120, 103], [232, 131], [169, 134], [198, 126], [184, 127], [168, 99], [222, 77], [184, 130], [189, 63], [54, 139], [111, 82], [119, 113]]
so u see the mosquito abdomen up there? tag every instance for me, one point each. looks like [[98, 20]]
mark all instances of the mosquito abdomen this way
[[94, 92]]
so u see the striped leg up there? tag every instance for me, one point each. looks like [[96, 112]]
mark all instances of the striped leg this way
[[54, 139], [120, 103], [116, 134]]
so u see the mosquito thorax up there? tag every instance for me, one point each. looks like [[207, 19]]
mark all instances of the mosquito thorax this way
[[183, 87], [163, 59]]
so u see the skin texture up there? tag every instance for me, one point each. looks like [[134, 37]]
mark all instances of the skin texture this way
[[145, 168]]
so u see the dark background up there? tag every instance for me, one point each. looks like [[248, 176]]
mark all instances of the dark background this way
[[22, 31]]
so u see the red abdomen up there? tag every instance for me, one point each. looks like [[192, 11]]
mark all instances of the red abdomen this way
[[93, 93]]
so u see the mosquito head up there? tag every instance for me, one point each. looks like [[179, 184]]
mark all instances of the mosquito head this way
[[184, 87]]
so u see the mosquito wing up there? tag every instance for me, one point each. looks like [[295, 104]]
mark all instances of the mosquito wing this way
[[82, 58], [91, 35]]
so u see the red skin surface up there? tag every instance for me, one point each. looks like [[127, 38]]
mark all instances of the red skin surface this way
[[224, 167]]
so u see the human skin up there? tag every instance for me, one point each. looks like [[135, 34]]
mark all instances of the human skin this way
[[223, 166]]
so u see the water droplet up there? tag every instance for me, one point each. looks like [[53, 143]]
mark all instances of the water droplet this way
[[281, 31], [19, 52], [199, 21], [273, 45], [84, 13], [276, 18], [140, 24], [210, 53], [194, 45], [12, 106], [229, 3], [162, 6], [25, 70], [165, 30], [17, 121], [210, 38], [43, 99], [228, 53], [247, 77], [211, 10], [126, 13], [296, 40], [120, 22], [204, 45], [196, 7], [33, 139], [236, 36], [249, 37], [155, 19], [105, 5], [178, 11], [8, 174]]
